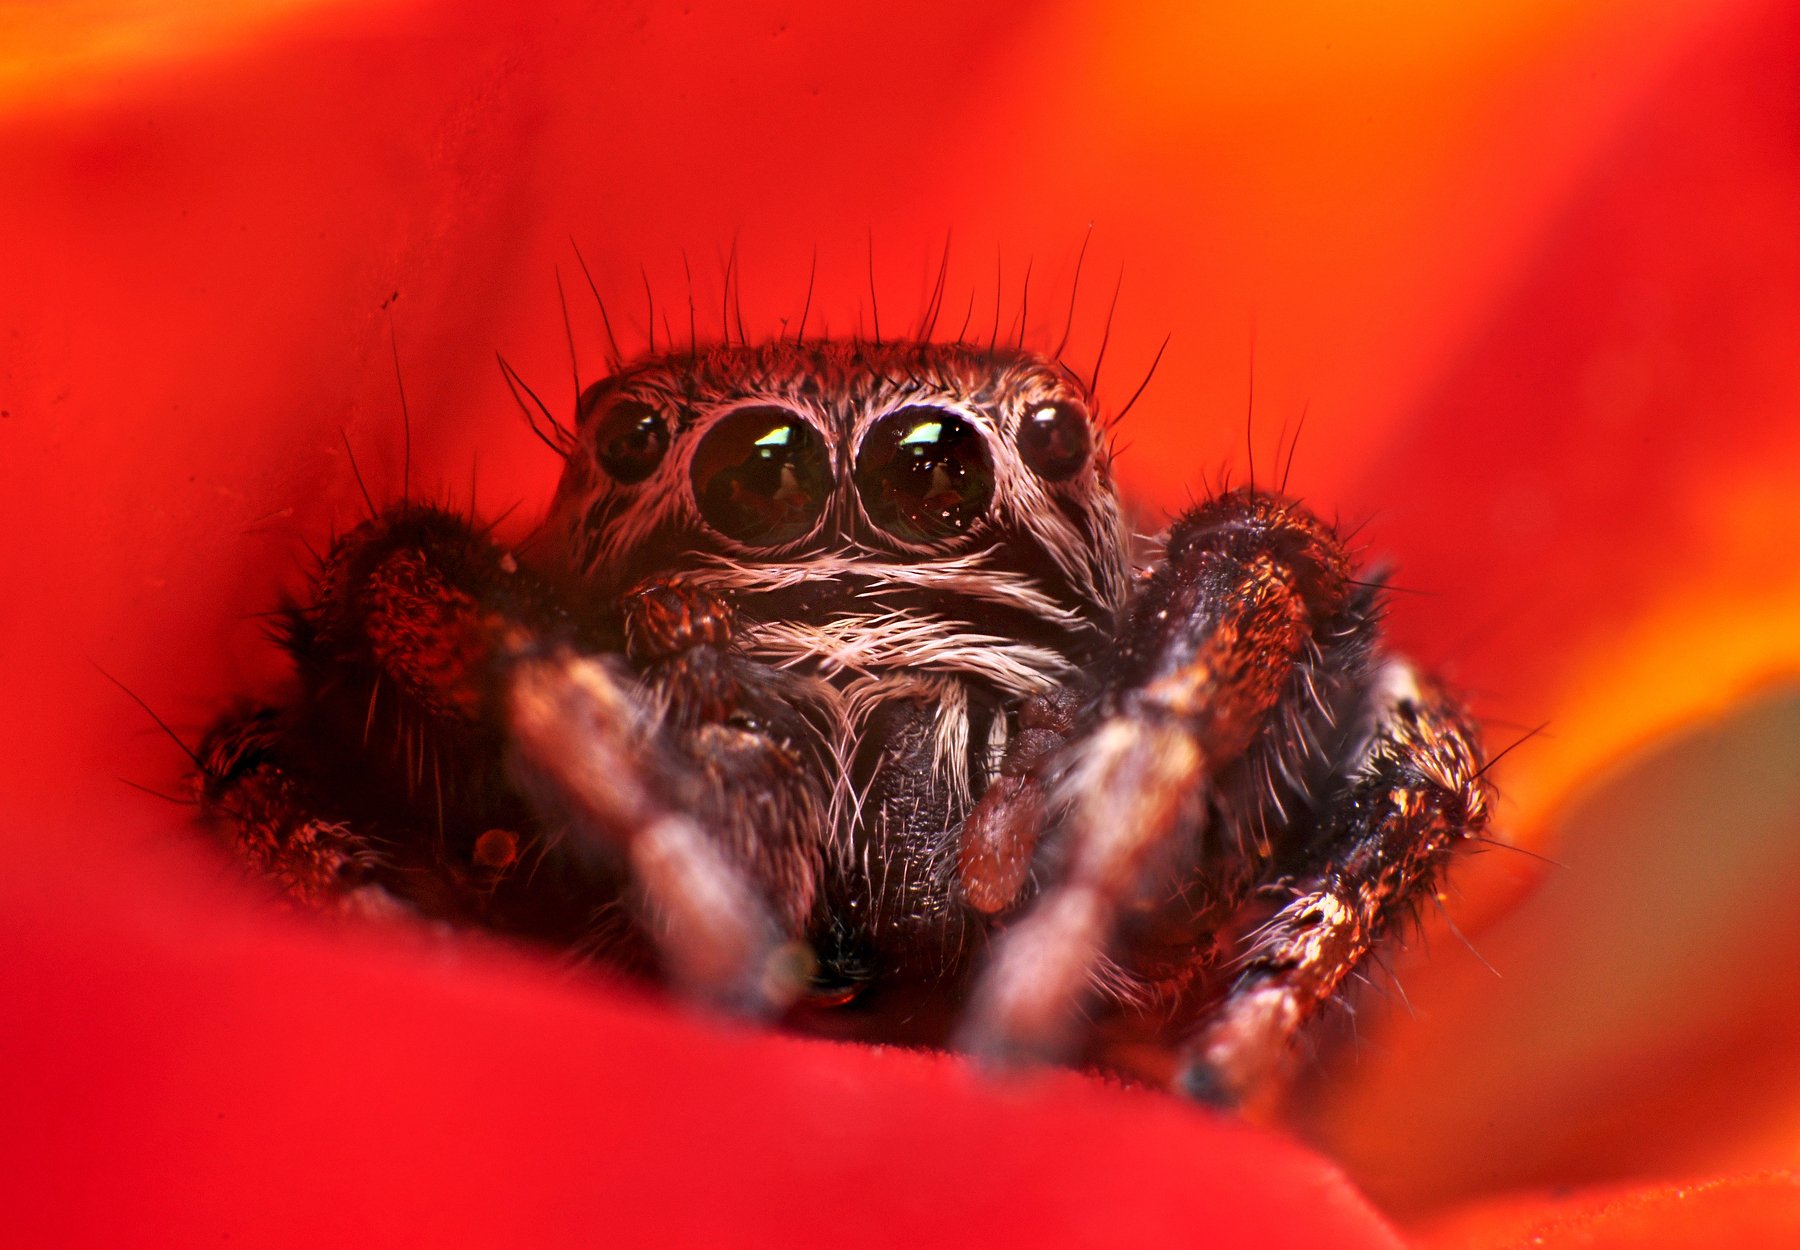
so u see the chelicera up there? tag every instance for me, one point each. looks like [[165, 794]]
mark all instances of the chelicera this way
[[828, 691]]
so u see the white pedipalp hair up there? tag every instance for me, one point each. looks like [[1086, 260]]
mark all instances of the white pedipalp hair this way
[[857, 701], [975, 575], [868, 643]]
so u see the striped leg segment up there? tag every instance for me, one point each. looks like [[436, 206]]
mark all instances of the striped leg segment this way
[[1415, 793], [1220, 645], [453, 717], [257, 808]]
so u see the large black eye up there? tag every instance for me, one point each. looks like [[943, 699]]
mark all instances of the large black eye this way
[[630, 441], [1055, 440], [761, 476], [924, 473]]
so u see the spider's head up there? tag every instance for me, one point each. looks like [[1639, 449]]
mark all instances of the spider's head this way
[[846, 471]]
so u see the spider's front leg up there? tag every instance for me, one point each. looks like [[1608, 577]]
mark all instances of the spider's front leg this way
[[1231, 668], [1412, 791], [466, 744], [697, 763]]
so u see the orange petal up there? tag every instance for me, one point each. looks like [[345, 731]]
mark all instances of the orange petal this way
[[1639, 1024], [1749, 1213], [1619, 509], [1597, 489]]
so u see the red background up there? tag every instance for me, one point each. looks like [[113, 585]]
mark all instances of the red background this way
[[1531, 268]]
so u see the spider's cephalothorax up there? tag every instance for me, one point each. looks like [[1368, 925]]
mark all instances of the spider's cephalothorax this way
[[826, 689]]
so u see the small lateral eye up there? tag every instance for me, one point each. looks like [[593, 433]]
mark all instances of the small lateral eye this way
[[761, 476], [1055, 439], [924, 474], [631, 441]]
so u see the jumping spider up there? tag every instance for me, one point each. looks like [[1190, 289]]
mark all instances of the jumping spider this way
[[827, 691]]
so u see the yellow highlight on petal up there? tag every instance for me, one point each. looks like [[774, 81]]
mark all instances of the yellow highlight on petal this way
[[1691, 661], [52, 54]]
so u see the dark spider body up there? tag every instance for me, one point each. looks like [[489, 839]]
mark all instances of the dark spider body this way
[[826, 690]]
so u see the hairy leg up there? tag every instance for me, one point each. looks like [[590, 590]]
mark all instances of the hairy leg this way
[[697, 775], [452, 712], [259, 810], [1415, 793], [1251, 621]]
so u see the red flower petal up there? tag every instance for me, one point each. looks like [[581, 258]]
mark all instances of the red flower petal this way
[[197, 275], [181, 1072]]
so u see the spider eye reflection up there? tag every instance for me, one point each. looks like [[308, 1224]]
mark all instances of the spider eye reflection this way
[[1054, 440], [761, 475], [630, 441], [924, 474]]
